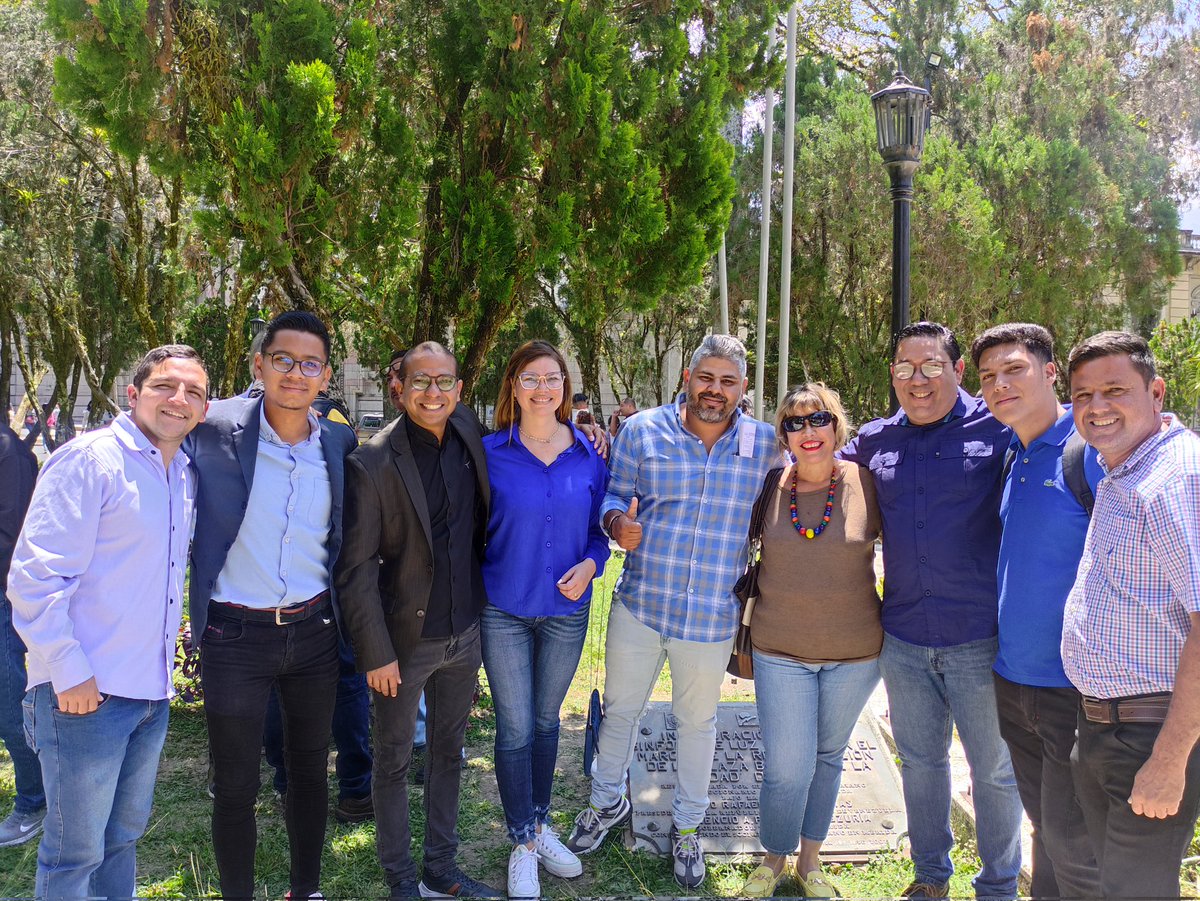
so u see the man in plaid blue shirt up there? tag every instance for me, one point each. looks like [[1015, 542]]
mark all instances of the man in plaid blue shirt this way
[[683, 479], [1130, 640]]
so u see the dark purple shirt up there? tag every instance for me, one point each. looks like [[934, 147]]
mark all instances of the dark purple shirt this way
[[939, 494]]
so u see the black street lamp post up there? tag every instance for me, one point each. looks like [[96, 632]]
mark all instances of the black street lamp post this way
[[900, 121]]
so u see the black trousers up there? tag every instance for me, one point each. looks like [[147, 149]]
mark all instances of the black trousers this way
[[1139, 857], [239, 663], [1038, 724], [445, 670]]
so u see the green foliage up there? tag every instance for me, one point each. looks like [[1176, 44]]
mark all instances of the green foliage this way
[[1177, 349]]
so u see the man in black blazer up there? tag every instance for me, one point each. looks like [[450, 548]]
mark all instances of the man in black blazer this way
[[268, 533], [411, 590]]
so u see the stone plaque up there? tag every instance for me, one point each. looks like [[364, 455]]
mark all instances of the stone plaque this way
[[870, 811]]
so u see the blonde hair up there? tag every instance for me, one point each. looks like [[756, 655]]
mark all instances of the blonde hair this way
[[819, 396]]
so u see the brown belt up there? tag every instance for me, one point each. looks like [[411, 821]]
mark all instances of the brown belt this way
[[280, 616], [1137, 709]]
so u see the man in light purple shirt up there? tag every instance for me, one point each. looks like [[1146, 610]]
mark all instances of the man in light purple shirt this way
[[96, 587]]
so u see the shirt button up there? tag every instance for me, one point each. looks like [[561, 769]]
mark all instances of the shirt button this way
[[691, 591], [283, 572], [937, 453], [287, 541], [547, 519], [922, 559], [921, 490], [920, 456], [547, 570], [1026, 460], [920, 524], [928, 592], [1022, 479], [547, 544], [290, 509]]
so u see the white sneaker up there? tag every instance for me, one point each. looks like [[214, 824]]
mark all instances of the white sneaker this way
[[523, 873], [555, 856]]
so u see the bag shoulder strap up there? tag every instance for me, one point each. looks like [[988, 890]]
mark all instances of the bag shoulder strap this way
[[1073, 473], [758, 514]]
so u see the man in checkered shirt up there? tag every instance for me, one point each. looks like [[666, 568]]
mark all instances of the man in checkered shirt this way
[[1130, 643], [683, 479]]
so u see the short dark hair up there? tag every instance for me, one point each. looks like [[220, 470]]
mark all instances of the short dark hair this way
[[427, 347], [297, 321], [929, 330], [1035, 339], [579, 398], [156, 356], [1111, 344]]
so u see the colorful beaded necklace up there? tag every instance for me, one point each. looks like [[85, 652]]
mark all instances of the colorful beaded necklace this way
[[813, 533]]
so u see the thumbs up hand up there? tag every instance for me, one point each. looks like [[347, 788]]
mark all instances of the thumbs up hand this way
[[625, 529]]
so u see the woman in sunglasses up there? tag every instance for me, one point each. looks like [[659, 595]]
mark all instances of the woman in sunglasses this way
[[545, 546], [816, 633]]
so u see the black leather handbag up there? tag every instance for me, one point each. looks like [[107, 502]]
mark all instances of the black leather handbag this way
[[741, 660]]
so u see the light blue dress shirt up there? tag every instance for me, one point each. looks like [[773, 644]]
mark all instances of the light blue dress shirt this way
[[280, 557], [97, 575]]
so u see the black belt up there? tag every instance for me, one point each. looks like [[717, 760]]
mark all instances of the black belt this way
[[280, 616], [1136, 709]]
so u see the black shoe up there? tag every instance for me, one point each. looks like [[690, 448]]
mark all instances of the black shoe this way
[[416, 765], [454, 883], [354, 810], [405, 890]]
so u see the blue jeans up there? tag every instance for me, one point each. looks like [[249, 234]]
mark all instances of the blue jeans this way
[[930, 691], [99, 771], [26, 772], [351, 732], [807, 712], [530, 662]]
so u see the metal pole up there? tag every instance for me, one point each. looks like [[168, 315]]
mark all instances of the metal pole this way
[[764, 236], [789, 158], [902, 194], [723, 281]]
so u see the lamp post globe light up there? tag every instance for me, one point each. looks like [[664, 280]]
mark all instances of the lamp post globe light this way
[[901, 117]]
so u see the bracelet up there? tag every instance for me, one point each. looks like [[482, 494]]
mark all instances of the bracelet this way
[[609, 519]]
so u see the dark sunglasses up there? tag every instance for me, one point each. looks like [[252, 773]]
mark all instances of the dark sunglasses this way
[[817, 420]]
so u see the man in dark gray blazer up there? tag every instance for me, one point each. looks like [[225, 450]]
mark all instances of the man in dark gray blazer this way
[[268, 533], [411, 590]]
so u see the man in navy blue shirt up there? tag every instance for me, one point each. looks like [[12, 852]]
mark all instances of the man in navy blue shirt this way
[[1044, 527], [936, 466]]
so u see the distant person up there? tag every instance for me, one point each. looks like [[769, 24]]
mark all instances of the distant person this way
[[579, 401], [547, 486], [18, 472], [96, 587], [1045, 521], [683, 475], [585, 417], [816, 633], [619, 415], [1131, 631]]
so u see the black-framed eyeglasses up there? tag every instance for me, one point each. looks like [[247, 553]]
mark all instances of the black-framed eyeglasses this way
[[285, 363], [530, 381], [931, 369], [817, 420], [421, 381]]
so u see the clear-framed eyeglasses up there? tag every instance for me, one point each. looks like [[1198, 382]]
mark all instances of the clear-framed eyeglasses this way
[[421, 381], [931, 369], [285, 363], [530, 381]]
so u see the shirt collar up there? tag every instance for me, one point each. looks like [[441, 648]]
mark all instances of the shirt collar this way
[[734, 420], [958, 411], [1055, 436], [1148, 446], [132, 438], [266, 433]]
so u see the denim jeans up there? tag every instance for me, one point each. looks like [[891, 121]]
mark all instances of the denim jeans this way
[[445, 669], [930, 692], [240, 661], [530, 662], [1039, 726], [634, 655], [351, 732], [99, 771], [26, 772], [806, 712]]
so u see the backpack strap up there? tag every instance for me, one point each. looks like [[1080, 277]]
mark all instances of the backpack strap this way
[[1073, 473]]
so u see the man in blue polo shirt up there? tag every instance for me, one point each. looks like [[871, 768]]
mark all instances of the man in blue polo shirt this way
[[936, 466], [1044, 526]]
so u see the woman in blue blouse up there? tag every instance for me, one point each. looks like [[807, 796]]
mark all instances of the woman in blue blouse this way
[[545, 546]]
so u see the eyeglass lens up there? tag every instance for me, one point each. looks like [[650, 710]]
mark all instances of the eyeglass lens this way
[[931, 369], [284, 363], [529, 381]]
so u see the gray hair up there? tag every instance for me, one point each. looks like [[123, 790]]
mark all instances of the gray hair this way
[[726, 347]]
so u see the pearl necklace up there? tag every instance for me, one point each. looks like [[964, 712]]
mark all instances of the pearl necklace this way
[[813, 533], [536, 438]]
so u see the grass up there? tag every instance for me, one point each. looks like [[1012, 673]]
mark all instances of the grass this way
[[175, 857]]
